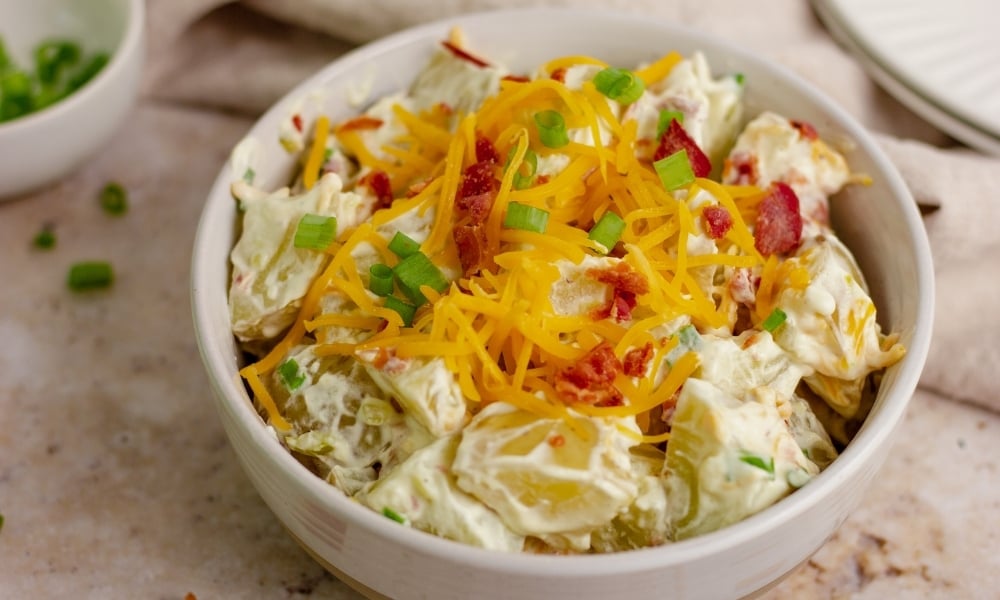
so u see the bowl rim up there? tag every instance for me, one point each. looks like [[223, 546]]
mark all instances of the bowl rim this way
[[129, 44], [874, 434]]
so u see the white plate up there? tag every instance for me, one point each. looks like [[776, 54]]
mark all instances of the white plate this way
[[939, 60]]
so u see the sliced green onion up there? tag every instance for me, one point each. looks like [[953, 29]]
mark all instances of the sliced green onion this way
[[380, 279], [15, 95], [54, 56], [45, 239], [674, 170], [620, 85], [4, 57], [89, 275], [551, 128], [249, 174], [756, 461], [688, 339], [403, 245], [774, 320], [798, 478], [740, 78], [666, 116], [528, 218], [524, 174], [315, 232], [406, 311], [417, 270], [87, 72], [114, 199], [608, 230], [290, 375], [395, 516]]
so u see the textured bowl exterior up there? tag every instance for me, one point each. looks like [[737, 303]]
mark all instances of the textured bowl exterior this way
[[879, 222], [42, 147]]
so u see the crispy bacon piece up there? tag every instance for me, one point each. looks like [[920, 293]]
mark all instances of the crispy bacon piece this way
[[675, 138], [636, 360], [806, 129], [779, 225], [360, 123], [517, 78], [297, 122], [472, 244], [460, 53], [591, 380], [559, 75], [477, 191], [625, 284], [486, 151], [718, 221], [378, 182]]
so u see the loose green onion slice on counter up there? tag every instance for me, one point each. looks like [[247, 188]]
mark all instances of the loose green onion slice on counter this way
[[528, 218], [774, 320], [88, 275], [416, 270], [674, 170], [403, 245], [380, 279], [45, 239], [666, 116], [608, 230], [114, 199], [551, 128], [395, 516], [406, 311], [290, 375], [620, 85], [756, 461], [315, 232]]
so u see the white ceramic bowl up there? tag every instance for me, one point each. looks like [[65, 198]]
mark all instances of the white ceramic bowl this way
[[41, 147], [879, 222]]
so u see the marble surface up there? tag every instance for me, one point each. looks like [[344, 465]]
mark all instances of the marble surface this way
[[116, 480]]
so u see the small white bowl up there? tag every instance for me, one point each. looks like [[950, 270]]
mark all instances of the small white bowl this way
[[41, 147], [880, 223]]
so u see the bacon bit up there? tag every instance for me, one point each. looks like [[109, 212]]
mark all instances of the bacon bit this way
[[636, 360], [676, 138], [517, 78], [718, 221], [559, 75], [806, 129], [541, 179], [297, 122], [378, 182], [486, 151], [740, 169], [477, 191], [626, 284], [778, 227], [382, 357], [742, 288], [591, 379], [472, 244], [557, 441], [459, 53], [359, 123]]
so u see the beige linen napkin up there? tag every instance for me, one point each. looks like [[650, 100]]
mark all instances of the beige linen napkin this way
[[242, 57]]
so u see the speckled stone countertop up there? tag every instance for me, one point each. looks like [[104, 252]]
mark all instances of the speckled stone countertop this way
[[116, 480]]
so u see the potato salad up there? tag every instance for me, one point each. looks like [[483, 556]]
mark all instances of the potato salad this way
[[587, 308]]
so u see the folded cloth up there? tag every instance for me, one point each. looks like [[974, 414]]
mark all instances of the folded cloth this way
[[242, 57]]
